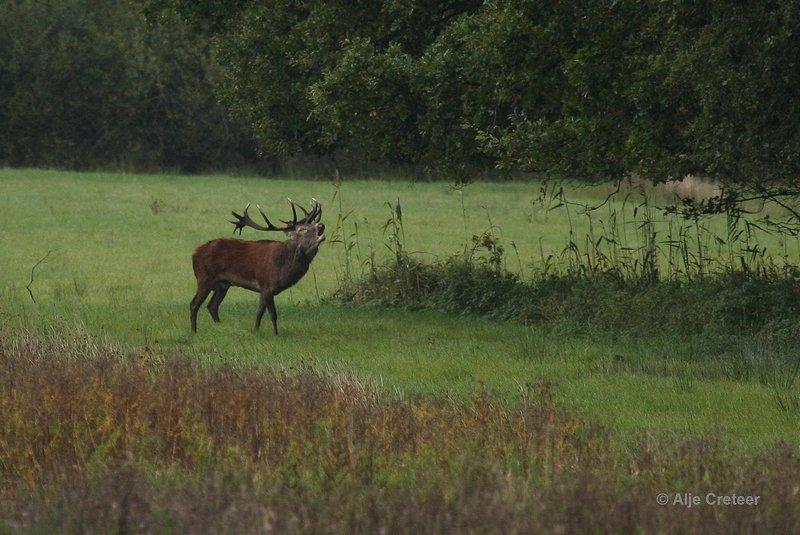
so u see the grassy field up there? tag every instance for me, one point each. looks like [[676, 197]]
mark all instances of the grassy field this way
[[120, 272]]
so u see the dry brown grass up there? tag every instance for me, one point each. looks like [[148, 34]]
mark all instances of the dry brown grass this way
[[95, 440], [692, 187]]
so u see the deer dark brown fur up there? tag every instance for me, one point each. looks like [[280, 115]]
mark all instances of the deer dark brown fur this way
[[266, 266]]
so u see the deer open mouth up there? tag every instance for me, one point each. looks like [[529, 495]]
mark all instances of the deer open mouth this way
[[321, 232]]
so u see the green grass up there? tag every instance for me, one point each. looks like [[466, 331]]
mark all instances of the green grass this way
[[120, 270]]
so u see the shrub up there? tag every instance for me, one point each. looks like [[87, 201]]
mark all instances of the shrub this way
[[726, 302]]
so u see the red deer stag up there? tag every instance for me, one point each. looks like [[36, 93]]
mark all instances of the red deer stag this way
[[266, 266]]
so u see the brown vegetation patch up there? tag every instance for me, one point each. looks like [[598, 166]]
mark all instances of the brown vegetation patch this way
[[98, 440]]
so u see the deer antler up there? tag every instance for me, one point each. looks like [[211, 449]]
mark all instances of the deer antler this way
[[308, 217], [294, 213], [244, 220], [316, 212]]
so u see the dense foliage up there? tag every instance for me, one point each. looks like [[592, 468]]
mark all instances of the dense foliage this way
[[585, 89], [579, 89], [86, 84]]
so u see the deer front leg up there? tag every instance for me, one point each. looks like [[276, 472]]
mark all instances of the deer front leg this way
[[267, 302]]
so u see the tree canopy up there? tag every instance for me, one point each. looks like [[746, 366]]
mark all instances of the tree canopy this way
[[87, 84], [584, 89]]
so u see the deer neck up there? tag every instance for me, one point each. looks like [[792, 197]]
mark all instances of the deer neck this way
[[295, 265]]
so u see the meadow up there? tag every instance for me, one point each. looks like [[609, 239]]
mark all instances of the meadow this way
[[120, 273]]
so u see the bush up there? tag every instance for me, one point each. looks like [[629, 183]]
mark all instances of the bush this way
[[725, 302]]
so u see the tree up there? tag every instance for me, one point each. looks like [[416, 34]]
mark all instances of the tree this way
[[584, 89], [87, 84]]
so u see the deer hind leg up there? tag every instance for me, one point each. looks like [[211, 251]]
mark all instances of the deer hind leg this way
[[273, 313], [267, 301], [202, 292], [216, 299]]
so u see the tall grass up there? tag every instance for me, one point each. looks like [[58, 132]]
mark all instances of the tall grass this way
[[95, 440], [638, 234], [620, 254], [648, 236]]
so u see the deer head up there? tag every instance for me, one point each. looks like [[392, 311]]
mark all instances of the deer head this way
[[306, 234]]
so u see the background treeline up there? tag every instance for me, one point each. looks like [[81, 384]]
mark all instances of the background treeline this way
[[582, 89], [89, 84]]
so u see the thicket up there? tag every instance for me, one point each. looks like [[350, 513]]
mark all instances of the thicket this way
[[95, 440], [585, 89], [91, 85], [735, 302]]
